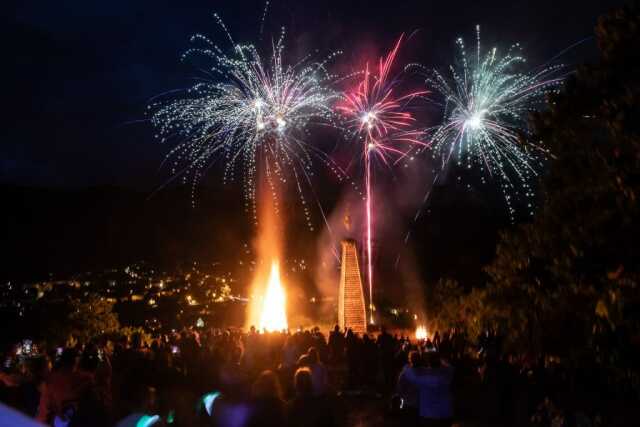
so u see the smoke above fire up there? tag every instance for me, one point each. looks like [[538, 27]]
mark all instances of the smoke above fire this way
[[267, 303], [398, 273]]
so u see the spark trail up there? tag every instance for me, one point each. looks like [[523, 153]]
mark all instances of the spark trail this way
[[377, 114]]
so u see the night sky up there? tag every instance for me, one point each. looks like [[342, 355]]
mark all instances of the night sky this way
[[81, 73]]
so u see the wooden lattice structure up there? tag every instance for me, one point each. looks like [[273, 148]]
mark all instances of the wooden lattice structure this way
[[351, 306]]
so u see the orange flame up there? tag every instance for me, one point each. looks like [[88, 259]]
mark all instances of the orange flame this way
[[267, 307], [273, 316], [421, 333]]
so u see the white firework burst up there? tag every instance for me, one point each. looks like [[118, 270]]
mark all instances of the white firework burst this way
[[251, 114], [487, 99]]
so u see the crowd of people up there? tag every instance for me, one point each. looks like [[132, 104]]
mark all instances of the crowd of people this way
[[230, 378]]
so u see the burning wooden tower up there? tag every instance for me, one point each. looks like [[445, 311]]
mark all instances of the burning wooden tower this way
[[351, 306]]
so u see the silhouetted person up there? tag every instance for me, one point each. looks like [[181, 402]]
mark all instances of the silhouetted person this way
[[336, 345], [93, 407], [319, 375], [408, 389], [369, 360], [387, 347], [63, 389], [268, 407], [140, 403], [37, 373], [436, 340], [435, 397]]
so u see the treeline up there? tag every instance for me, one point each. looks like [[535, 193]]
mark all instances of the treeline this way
[[566, 284]]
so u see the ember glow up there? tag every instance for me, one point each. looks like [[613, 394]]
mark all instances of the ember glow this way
[[421, 333], [273, 316], [379, 120], [268, 308]]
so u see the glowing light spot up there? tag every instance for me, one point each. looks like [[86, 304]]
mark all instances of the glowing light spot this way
[[368, 118], [421, 333], [147, 420], [475, 121], [207, 401]]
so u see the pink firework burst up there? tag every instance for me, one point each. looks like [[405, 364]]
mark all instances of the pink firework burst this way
[[377, 114]]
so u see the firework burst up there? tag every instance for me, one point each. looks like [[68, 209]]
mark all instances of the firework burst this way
[[486, 104], [378, 118], [248, 113]]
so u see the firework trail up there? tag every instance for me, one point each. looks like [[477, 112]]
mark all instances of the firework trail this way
[[249, 113], [378, 118]]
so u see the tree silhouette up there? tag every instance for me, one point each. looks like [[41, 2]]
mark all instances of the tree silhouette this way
[[571, 276]]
